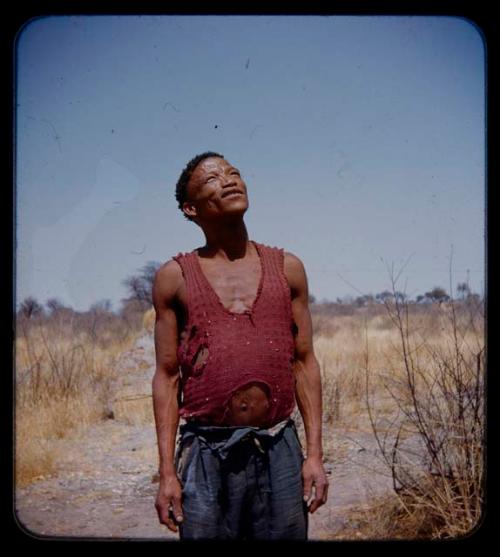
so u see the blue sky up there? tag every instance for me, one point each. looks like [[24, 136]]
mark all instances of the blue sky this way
[[361, 140]]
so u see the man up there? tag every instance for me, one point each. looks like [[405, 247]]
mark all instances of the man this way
[[234, 353]]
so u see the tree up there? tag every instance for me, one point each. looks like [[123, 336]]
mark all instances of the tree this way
[[30, 308], [384, 296], [140, 285], [366, 299], [437, 294], [463, 290], [54, 305], [400, 296], [102, 306]]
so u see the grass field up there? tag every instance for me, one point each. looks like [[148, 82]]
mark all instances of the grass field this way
[[403, 371]]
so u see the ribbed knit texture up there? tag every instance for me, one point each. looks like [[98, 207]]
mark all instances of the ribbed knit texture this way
[[243, 348]]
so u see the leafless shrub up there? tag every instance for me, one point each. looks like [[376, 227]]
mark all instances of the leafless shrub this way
[[434, 447]]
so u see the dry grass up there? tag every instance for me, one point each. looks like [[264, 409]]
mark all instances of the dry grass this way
[[416, 378], [36, 458], [63, 384], [385, 519], [134, 410], [342, 359], [341, 344], [148, 321], [397, 517], [64, 378]]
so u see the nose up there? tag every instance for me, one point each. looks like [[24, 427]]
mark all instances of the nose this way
[[228, 181]]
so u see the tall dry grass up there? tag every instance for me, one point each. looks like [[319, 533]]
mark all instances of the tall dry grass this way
[[64, 372], [411, 374], [415, 376], [339, 344]]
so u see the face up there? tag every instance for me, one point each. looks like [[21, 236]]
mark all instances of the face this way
[[215, 189]]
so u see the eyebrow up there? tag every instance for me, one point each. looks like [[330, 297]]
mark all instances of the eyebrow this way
[[214, 172]]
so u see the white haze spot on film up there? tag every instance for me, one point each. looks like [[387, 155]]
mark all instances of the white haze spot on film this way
[[114, 186]]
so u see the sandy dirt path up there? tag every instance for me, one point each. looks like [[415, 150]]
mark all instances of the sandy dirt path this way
[[106, 483]]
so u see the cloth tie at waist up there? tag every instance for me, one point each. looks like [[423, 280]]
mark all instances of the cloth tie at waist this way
[[223, 439]]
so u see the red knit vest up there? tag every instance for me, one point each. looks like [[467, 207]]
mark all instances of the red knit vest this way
[[254, 346]]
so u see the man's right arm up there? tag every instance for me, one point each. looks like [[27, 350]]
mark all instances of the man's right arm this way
[[166, 391]]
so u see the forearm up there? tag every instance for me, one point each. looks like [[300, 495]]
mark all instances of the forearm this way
[[166, 412], [309, 400]]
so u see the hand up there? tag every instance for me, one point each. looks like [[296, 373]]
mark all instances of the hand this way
[[168, 502], [315, 483]]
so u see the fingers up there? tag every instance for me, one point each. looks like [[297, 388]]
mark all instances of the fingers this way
[[177, 509], [165, 518], [320, 495], [170, 513], [307, 488]]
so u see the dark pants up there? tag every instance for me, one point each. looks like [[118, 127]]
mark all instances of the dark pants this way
[[241, 483]]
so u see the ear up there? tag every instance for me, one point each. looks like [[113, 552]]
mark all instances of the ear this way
[[189, 209]]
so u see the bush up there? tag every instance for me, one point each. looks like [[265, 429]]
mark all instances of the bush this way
[[435, 448]]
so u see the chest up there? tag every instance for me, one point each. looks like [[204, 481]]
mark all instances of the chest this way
[[235, 284]]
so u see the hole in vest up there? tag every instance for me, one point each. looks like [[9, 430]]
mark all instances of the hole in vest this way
[[249, 405], [187, 335], [200, 358], [192, 332]]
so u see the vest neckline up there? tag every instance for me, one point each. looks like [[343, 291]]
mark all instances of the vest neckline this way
[[216, 297]]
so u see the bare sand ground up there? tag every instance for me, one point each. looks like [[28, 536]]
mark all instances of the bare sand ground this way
[[106, 482]]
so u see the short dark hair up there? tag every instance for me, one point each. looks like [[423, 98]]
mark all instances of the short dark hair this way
[[182, 182]]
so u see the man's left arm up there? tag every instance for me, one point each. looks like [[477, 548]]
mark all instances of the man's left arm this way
[[308, 385]]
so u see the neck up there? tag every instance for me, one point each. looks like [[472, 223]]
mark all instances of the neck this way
[[228, 240]]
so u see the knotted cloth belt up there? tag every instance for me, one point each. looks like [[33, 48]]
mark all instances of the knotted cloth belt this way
[[222, 439]]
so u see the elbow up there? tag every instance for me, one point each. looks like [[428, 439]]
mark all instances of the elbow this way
[[166, 374], [307, 365], [306, 358]]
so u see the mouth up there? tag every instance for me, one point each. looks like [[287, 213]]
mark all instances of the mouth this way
[[231, 193]]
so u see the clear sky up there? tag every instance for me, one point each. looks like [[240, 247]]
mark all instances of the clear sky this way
[[361, 140]]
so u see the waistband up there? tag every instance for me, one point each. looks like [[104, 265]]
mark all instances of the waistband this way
[[223, 432], [222, 438]]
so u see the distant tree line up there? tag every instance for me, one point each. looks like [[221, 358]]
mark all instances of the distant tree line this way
[[433, 296], [100, 315], [139, 298]]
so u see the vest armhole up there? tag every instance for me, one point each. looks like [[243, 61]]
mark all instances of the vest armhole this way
[[280, 255], [280, 260], [180, 258]]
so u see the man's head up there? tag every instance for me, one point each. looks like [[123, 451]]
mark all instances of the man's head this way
[[210, 187]]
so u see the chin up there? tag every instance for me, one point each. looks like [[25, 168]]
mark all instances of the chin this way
[[236, 209]]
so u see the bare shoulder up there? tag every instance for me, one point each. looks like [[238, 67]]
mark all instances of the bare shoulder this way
[[292, 262], [295, 272], [167, 281]]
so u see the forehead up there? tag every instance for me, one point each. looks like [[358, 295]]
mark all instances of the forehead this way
[[210, 164]]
